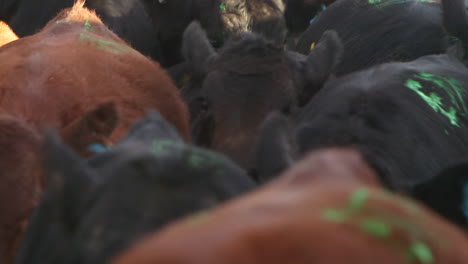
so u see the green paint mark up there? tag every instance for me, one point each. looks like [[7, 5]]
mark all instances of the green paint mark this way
[[160, 146], [421, 252], [335, 216], [196, 160], [377, 221], [385, 3], [195, 157], [358, 199], [222, 7], [453, 38], [376, 228], [88, 25], [62, 21], [106, 45], [452, 88]]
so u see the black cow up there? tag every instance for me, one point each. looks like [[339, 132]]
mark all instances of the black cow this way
[[378, 31], [232, 91], [126, 18], [92, 210], [408, 120]]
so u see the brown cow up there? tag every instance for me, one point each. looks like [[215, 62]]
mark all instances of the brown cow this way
[[6, 34], [79, 77], [19, 184], [328, 209]]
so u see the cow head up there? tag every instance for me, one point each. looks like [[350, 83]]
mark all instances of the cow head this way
[[447, 193], [231, 92]]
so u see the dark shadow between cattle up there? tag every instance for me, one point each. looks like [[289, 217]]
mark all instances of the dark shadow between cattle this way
[[93, 209], [447, 193], [232, 91]]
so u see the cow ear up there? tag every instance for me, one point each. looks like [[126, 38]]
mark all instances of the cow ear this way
[[68, 179], [274, 147], [447, 193], [321, 63], [196, 48], [92, 128]]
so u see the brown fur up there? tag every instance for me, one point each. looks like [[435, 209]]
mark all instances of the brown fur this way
[[289, 221], [6, 34], [80, 78], [19, 182], [72, 68]]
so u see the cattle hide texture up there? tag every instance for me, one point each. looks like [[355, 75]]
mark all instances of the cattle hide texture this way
[[19, 182], [374, 32], [81, 79], [82, 76], [326, 210]]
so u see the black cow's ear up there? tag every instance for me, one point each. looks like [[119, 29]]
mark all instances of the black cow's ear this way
[[196, 48], [274, 147], [321, 63], [324, 57], [67, 177], [447, 193]]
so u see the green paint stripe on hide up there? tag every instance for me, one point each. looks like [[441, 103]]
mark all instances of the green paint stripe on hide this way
[[105, 45], [378, 222], [451, 87]]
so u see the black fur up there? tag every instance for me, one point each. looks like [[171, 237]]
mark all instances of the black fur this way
[[93, 210]]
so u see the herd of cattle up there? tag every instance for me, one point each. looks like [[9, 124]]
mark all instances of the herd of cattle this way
[[338, 130]]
